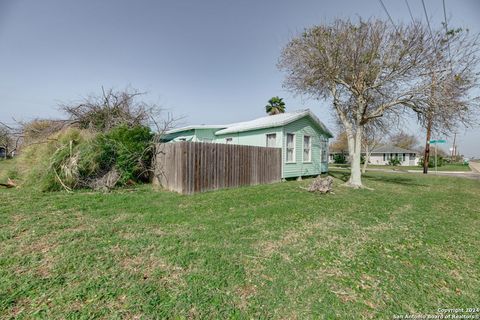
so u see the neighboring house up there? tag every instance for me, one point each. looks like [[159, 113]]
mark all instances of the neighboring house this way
[[381, 155], [302, 137], [2, 152]]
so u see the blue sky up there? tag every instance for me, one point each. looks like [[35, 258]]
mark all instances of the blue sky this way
[[211, 61]]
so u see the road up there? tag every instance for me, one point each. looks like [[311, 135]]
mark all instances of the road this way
[[474, 174], [475, 166]]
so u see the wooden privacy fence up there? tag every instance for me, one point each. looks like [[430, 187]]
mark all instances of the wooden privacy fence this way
[[190, 167]]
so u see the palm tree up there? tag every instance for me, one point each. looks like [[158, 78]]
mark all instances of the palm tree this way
[[275, 106]]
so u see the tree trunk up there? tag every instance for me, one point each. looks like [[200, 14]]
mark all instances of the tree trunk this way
[[365, 160], [355, 149]]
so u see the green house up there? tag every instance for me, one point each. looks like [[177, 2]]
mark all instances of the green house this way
[[302, 137]]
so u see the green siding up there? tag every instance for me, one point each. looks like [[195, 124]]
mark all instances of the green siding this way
[[205, 135], [188, 135], [300, 128], [253, 138], [195, 135]]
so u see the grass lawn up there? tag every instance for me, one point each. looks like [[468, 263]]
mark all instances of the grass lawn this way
[[275, 251], [7, 169], [445, 167]]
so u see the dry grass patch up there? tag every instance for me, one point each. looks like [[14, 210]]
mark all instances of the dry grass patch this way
[[244, 294], [294, 236], [149, 265]]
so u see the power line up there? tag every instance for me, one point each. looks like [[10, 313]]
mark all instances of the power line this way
[[409, 11], [388, 14], [426, 17], [446, 32], [429, 27], [445, 16]]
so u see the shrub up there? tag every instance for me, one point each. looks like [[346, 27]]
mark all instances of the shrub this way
[[339, 158], [76, 158], [128, 149], [431, 161], [394, 161], [48, 164]]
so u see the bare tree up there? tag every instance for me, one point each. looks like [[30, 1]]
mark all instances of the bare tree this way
[[355, 65], [340, 144], [5, 140], [404, 140], [110, 109], [372, 137], [10, 138], [369, 70], [452, 75]]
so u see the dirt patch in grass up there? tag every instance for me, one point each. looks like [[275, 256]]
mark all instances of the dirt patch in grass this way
[[345, 294], [150, 265], [43, 247], [19, 306], [293, 236], [244, 294]]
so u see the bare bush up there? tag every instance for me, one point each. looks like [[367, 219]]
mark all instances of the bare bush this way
[[111, 109], [10, 139]]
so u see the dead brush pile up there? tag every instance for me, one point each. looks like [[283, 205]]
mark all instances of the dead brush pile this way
[[321, 185], [75, 158]]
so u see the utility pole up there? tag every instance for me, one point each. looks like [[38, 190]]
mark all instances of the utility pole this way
[[426, 155], [430, 111]]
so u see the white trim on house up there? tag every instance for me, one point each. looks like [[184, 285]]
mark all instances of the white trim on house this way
[[324, 154], [294, 148], [274, 140], [196, 126]]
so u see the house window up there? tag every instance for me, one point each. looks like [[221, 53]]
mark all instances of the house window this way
[[324, 152], [272, 140], [290, 147], [228, 140], [307, 149], [404, 157], [384, 158]]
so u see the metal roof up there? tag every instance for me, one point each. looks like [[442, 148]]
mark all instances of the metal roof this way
[[259, 123], [197, 126], [272, 121]]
